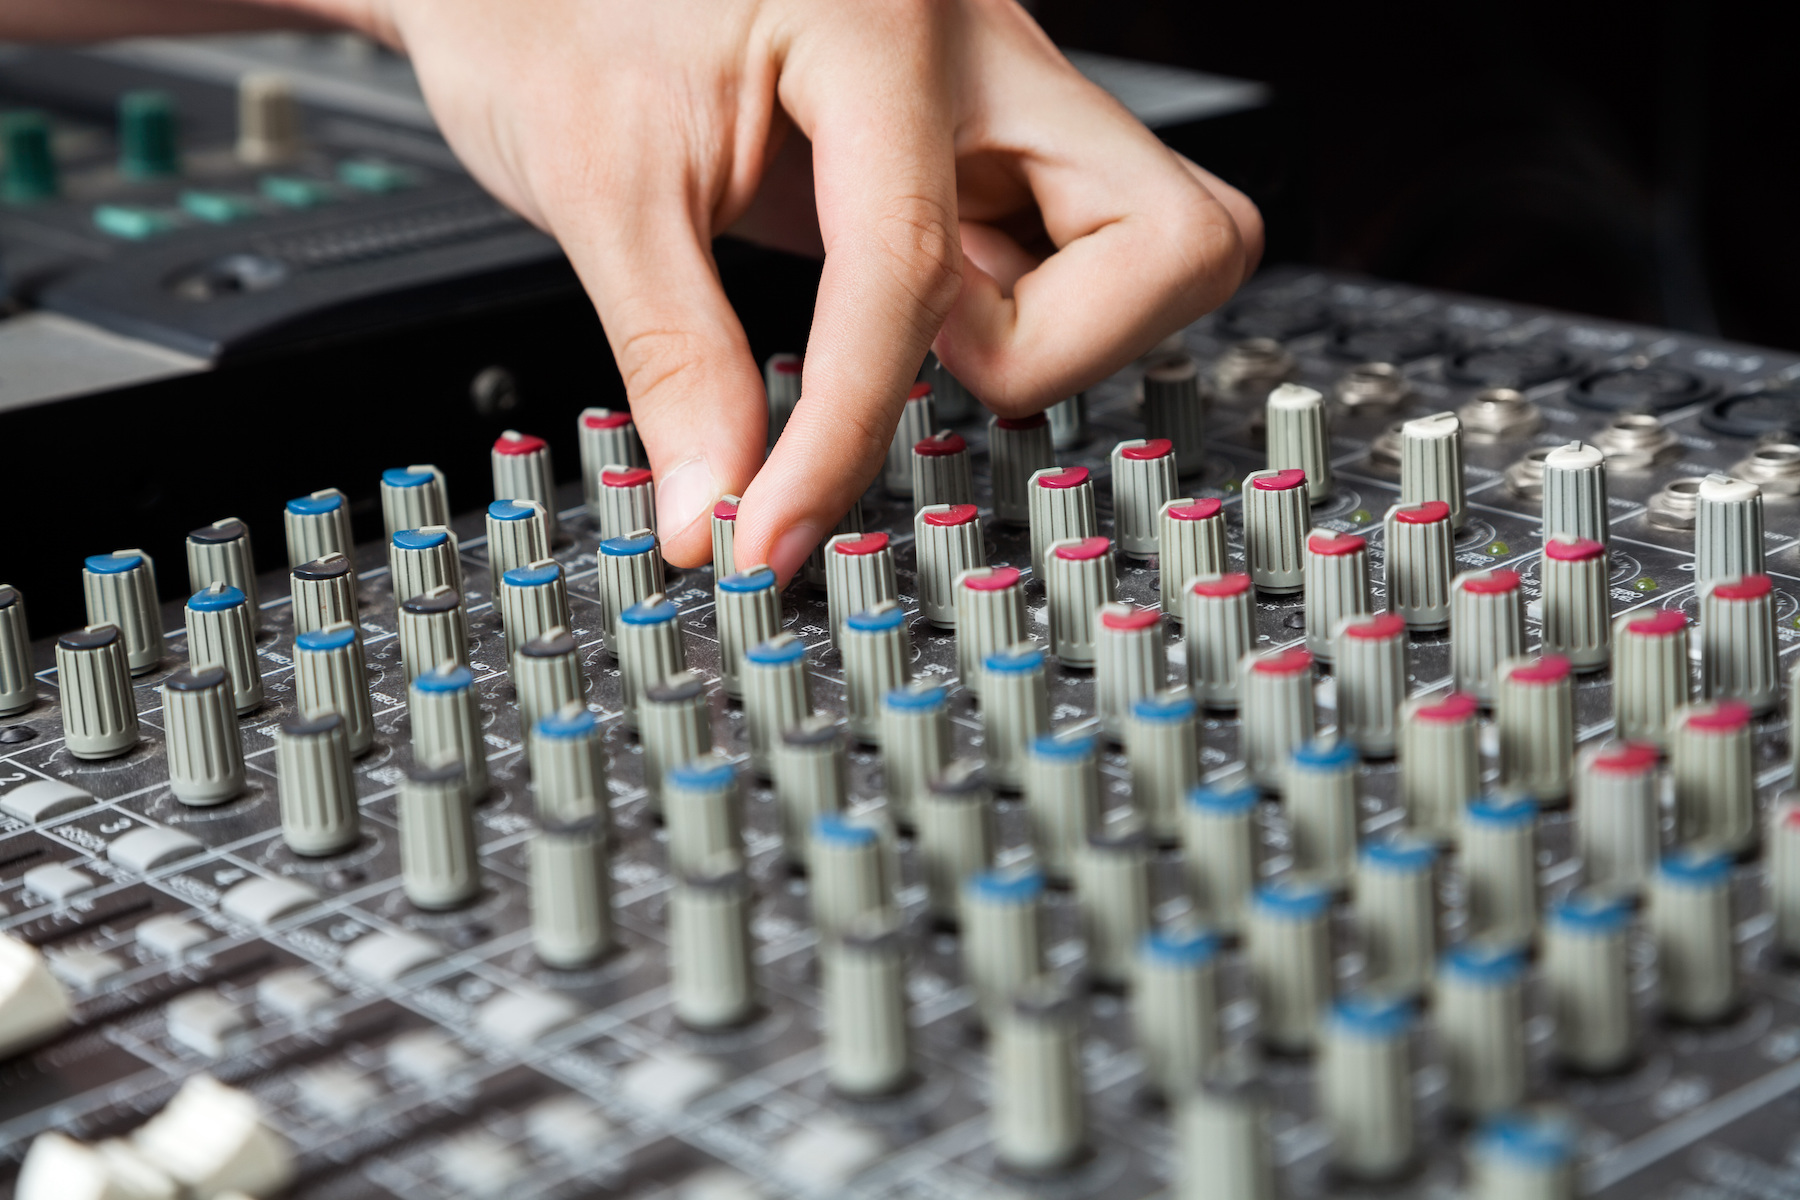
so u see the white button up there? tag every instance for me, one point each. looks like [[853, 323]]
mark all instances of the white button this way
[[148, 847], [212, 1139], [85, 969], [170, 937], [204, 1022], [521, 1019], [424, 1057], [57, 881], [33, 1006], [336, 1092], [44, 799], [295, 993], [667, 1085], [829, 1154], [719, 1183], [567, 1126], [385, 957], [265, 901], [478, 1164]]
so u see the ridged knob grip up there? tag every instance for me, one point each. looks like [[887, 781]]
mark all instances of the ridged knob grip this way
[[546, 675], [1288, 949], [1499, 862], [1081, 579], [423, 558], [781, 381], [1143, 481], [1535, 712], [1321, 794], [1278, 714], [221, 630], [702, 812], [318, 793], [918, 417], [1015, 709], [1487, 628], [1420, 547], [1737, 642], [1587, 981], [1275, 519], [1575, 499], [1728, 529], [1175, 409], [814, 572], [777, 693], [1129, 662], [93, 685], [1575, 589], [990, 617], [724, 538], [1299, 436], [1068, 421], [1062, 507], [433, 628], [848, 870], [201, 738], [121, 591], [712, 980], [18, 687], [1191, 542], [1396, 913], [1218, 613], [323, 592], [1370, 657], [947, 541], [1002, 936], [650, 649], [810, 769], [438, 864], [631, 571], [1161, 744], [877, 650], [1337, 585], [607, 438], [1479, 1015], [747, 607], [522, 471], [859, 574], [533, 599], [1690, 923], [1062, 799], [446, 723], [1365, 1087], [954, 818], [1711, 762], [1112, 894], [1219, 840], [1431, 463], [571, 893], [1440, 761], [1650, 673], [412, 498], [1018, 448], [1618, 815], [1175, 1007], [331, 676], [518, 532], [915, 742], [568, 769], [863, 986], [627, 497], [674, 726], [316, 525], [221, 552], [941, 471]]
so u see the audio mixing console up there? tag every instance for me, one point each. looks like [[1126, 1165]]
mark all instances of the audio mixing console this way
[[1340, 755]]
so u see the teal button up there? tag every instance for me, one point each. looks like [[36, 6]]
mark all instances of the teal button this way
[[132, 224], [30, 166], [373, 175], [218, 208], [294, 192], [149, 145]]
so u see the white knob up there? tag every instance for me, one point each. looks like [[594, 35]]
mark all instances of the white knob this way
[[815, 573], [776, 693], [1219, 853], [1062, 799], [1068, 421], [747, 609], [607, 439], [1487, 628], [990, 617], [1081, 579], [877, 651], [546, 675], [1575, 493], [316, 525], [1287, 938], [1320, 795], [318, 793], [863, 986], [1712, 764], [412, 498], [1337, 585], [221, 551], [724, 538], [1129, 662], [1396, 913], [809, 777], [421, 559], [571, 893], [205, 749], [1499, 863], [711, 975], [631, 571], [1018, 448], [438, 865], [323, 592], [1420, 546], [955, 823], [915, 742], [947, 541], [1728, 529], [1535, 712], [674, 727], [446, 723], [1479, 1014], [1143, 478], [918, 417], [518, 532], [702, 812], [847, 871], [649, 650], [1690, 922], [522, 471], [1528, 1156], [1440, 761], [1175, 409], [1175, 1008], [221, 630], [1191, 541], [1275, 521], [1587, 981], [1015, 710], [1370, 658], [627, 500], [1224, 1144], [1784, 873], [121, 591], [1039, 1112], [1217, 621], [1278, 715], [433, 629], [1366, 1088], [18, 689], [1161, 745], [268, 130], [568, 770], [1299, 436], [1062, 507], [1737, 642], [99, 710], [1431, 463], [859, 574], [1112, 894], [941, 471], [1002, 936], [1618, 814], [1650, 673]]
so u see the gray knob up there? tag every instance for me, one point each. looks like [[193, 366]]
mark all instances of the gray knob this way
[[121, 591], [568, 769], [1162, 746], [877, 650], [1080, 580], [1175, 409], [1784, 872], [1528, 1157], [747, 608], [522, 471], [269, 129], [446, 723], [990, 616], [1015, 709], [438, 865], [18, 689], [221, 630], [1219, 851], [859, 574], [1287, 939], [809, 770], [317, 525], [1129, 662], [954, 402], [1737, 642], [424, 558], [627, 500], [674, 727], [1479, 1015], [205, 749], [1487, 628], [1217, 612], [323, 592], [1275, 520], [1143, 474], [1690, 922], [1278, 715], [1365, 1088], [1337, 585], [1534, 711], [1321, 796], [1420, 547], [1396, 913], [777, 693], [412, 498], [947, 541], [1018, 448], [1431, 463], [955, 823], [847, 867], [1299, 437], [1573, 577], [940, 470], [1499, 861], [711, 976], [433, 629], [724, 538], [631, 571], [1575, 493], [918, 417], [331, 676], [1068, 421], [318, 793], [863, 981], [851, 522], [546, 676], [1728, 529], [1038, 1110], [915, 743], [1618, 796], [1062, 799], [1650, 673], [571, 893], [518, 533], [1225, 1145], [1191, 539], [1370, 656], [1440, 761], [1175, 1006], [607, 439], [1002, 936], [702, 812], [781, 381], [1112, 894], [1711, 762], [649, 650], [221, 551], [1062, 507], [93, 683], [1587, 981]]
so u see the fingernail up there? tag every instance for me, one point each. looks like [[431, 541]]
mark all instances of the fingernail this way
[[790, 551], [684, 494]]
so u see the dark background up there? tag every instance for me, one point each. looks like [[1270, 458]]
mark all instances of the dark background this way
[[1630, 160]]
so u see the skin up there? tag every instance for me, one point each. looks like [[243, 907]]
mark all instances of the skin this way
[[969, 191]]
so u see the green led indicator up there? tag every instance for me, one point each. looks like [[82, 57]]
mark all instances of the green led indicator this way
[[1645, 584], [1499, 550], [1362, 516], [1231, 485]]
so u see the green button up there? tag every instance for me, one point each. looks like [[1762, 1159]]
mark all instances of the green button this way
[[132, 224], [30, 166], [295, 192], [373, 175], [147, 139], [217, 207]]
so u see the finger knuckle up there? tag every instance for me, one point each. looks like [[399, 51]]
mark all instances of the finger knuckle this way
[[918, 237], [656, 358], [1204, 242]]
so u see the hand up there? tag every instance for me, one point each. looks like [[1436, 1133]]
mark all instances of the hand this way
[[972, 192]]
